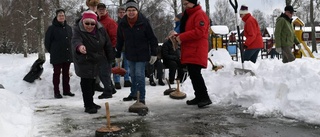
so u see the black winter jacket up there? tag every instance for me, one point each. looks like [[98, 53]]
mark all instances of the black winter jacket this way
[[168, 54], [139, 41], [58, 42], [98, 48]]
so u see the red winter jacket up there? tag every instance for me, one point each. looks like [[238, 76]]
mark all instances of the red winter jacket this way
[[194, 41], [111, 27], [252, 33]]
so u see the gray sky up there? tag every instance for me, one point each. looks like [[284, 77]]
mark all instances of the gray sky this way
[[266, 7]]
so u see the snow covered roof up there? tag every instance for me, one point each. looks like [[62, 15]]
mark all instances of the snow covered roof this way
[[220, 29], [308, 29], [270, 30], [235, 32]]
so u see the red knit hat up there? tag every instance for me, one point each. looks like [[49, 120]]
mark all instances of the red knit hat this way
[[89, 14]]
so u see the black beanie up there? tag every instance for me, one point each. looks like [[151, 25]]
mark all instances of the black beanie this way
[[195, 2]]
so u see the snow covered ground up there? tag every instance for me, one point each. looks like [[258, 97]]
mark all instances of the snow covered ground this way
[[276, 90]]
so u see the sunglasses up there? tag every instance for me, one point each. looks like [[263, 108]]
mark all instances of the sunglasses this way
[[88, 23]]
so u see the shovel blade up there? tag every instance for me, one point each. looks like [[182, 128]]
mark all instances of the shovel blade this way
[[240, 71]]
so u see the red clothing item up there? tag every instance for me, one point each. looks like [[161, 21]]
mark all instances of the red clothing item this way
[[194, 41], [111, 27], [252, 32]]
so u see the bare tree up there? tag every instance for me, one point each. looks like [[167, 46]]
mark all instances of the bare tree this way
[[208, 8], [161, 21], [173, 5], [260, 18], [313, 29], [41, 49], [223, 14]]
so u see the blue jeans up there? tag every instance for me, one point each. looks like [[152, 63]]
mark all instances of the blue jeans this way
[[137, 74], [251, 55], [116, 78]]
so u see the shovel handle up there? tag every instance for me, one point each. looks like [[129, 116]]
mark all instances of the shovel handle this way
[[234, 5], [211, 63]]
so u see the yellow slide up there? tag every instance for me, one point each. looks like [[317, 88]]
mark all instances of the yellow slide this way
[[306, 52]]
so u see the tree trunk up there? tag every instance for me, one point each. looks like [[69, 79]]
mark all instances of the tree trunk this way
[[24, 40], [41, 51], [175, 5], [208, 8], [182, 9], [58, 4], [313, 29]]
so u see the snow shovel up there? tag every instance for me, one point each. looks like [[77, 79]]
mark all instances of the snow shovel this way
[[214, 67], [240, 71]]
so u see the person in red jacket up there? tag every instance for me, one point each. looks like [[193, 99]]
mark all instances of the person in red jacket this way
[[253, 43], [193, 38]]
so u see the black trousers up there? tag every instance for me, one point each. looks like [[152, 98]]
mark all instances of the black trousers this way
[[150, 69], [173, 67], [87, 88], [199, 87]]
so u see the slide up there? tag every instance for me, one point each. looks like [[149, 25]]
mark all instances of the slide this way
[[306, 52]]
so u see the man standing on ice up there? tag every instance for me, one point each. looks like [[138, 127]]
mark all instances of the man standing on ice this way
[[285, 36]]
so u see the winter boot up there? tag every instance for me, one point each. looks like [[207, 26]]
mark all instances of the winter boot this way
[[129, 98], [204, 102], [97, 87], [117, 85], [127, 83], [194, 101], [160, 82]]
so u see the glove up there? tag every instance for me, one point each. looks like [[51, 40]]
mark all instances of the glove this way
[[118, 60], [279, 50], [153, 59], [299, 45], [245, 46]]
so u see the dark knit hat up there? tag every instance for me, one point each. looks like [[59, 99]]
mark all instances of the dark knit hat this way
[[132, 4], [193, 1]]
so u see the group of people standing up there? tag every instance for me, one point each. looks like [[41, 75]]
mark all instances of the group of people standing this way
[[97, 42]]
